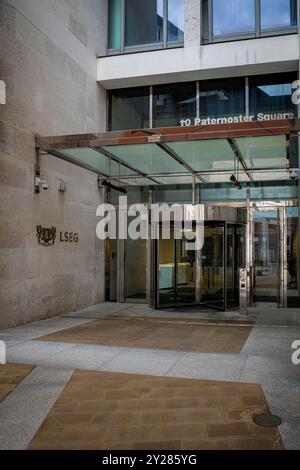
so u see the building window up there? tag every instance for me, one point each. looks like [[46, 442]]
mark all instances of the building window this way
[[175, 21], [129, 109], [145, 24], [221, 101], [171, 103], [272, 94], [278, 14], [238, 19], [233, 17], [114, 24], [222, 98]]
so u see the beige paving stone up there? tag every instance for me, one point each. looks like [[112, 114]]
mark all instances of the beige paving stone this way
[[10, 376], [150, 333], [99, 410]]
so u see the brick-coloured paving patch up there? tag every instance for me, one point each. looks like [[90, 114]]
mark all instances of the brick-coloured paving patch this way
[[101, 411], [190, 336], [10, 376]]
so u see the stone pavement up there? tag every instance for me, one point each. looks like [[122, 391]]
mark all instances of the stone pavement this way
[[265, 360]]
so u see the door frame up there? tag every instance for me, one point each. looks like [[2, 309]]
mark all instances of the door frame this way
[[282, 276]]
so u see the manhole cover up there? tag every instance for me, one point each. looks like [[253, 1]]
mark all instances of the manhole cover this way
[[267, 421]]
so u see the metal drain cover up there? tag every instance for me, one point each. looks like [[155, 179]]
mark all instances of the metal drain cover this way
[[267, 421]]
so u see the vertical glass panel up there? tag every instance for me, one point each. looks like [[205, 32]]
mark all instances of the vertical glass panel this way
[[166, 271], [212, 267], [115, 14], [185, 273], [222, 98], [172, 103], [135, 269], [233, 17], [266, 255], [293, 286], [143, 22], [205, 25], [271, 94], [278, 13], [129, 109], [175, 20]]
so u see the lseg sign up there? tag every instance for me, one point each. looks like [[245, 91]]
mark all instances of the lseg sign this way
[[49, 236]]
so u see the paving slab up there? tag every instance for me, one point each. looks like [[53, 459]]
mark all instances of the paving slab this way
[[24, 410]]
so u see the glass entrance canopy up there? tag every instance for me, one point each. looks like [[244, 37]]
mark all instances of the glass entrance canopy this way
[[207, 154]]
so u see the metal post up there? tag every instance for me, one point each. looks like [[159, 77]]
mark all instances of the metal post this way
[[249, 254]]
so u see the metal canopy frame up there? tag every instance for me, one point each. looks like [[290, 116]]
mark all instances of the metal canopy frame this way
[[161, 137]]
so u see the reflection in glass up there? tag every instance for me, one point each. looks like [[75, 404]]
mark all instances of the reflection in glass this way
[[278, 13], [166, 271], [129, 109], [212, 267], [266, 255], [233, 17], [222, 98], [272, 93], [114, 34], [143, 22], [293, 287], [172, 103], [175, 20], [135, 269]]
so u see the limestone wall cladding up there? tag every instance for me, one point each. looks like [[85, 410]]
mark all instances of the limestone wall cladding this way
[[48, 51]]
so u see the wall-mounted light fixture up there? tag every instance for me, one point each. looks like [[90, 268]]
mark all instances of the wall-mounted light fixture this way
[[62, 187], [236, 182]]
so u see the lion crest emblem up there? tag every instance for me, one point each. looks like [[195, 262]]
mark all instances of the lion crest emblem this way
[[46, 236]]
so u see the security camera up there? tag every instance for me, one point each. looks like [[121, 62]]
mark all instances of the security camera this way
[[40, 184], [294, 174]]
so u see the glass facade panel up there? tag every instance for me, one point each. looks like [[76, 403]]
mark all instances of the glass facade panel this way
[[271, 94], [129, 109], [232, 17], [175, 20], [278, 13], [171, 103], [206, 155], [147, 158], [264, 152], [222, 98], [115, 18], [143, 22]]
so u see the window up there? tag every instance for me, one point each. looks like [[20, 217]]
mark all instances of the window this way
[[129, 109], [272, 93], [247, 18], [114, 24], [233, 17], [143, 22], [138, 24], [175, 21], [171, 103], [222, 98], [218, 101], [278, 14]]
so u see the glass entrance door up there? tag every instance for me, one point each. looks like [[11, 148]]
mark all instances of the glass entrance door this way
[[212, 282], [176, 273], [266, 255]]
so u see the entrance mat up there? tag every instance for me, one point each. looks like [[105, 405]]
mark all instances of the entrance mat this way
[[10, 376], [101, 411], [158, 334]]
